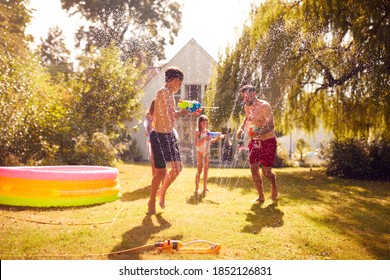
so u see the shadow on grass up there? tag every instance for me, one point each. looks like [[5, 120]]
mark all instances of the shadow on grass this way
[[195, 199], [357, 209], [364, 220], [307, 186], [138, 236], [140, 193], [234, 182], [262, 217]]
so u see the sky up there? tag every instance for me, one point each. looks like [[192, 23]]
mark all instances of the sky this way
[[214, 24]]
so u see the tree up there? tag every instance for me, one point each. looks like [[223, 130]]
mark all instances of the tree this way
[[16, 66], [135, 27], [60, 121], [14, 18], [302, 147], [108, 92], [55, 55], [315, 61]]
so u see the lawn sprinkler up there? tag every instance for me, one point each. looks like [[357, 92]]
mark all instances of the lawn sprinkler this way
[[175, 246], [192, 106], [170, 246]]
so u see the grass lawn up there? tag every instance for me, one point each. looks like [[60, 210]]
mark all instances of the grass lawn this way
[[316, 217]]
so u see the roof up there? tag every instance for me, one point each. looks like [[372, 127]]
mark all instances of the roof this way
[[155, 70], [150, 73]]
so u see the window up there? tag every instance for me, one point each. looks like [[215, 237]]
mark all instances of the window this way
[[193, 92]]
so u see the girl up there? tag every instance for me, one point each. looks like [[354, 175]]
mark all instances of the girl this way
[[202, 143]]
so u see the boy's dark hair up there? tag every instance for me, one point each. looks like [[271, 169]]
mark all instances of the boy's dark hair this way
[[173, 73]]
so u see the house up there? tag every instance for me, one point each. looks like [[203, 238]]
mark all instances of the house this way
[[197, 66]]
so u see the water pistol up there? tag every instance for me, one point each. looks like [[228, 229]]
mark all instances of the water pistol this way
[[253, 131], [213, 134], [192, 106]]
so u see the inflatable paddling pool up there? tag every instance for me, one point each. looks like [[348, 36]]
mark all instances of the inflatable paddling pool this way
[[52, 186]]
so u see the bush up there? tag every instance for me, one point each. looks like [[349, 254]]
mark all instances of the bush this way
[[281, 157], [379, 154], [131, 151], [11, 160], [95, 151], [356, 159]]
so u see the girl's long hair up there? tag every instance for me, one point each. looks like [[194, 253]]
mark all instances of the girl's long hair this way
[[201, 119], [150, 111]]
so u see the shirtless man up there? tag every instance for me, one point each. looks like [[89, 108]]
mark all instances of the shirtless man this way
[[163, 140], [259, 120]]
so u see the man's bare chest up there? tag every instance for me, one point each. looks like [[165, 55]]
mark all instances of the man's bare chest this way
[[253, 113]]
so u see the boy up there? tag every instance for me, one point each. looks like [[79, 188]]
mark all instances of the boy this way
[[163, 140]]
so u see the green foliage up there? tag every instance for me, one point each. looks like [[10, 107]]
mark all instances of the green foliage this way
[[281, 157], [33, 110], [67, 120], [131, 152], [259, 58], [380, 159], [108, 92], [358, 159], [103, 95], [133, 26], [127, 147], [31, 107], [13, 21], [302, 146], [95, 150], [55, 55], [315, 62]]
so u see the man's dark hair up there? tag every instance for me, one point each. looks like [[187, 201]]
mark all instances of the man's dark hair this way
[[247, 88], [173, 73]]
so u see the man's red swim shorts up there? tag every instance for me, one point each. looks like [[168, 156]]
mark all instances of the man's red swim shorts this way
[[262, 151]]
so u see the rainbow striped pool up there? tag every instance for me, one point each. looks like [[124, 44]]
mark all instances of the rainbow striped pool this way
[[55, 186]]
